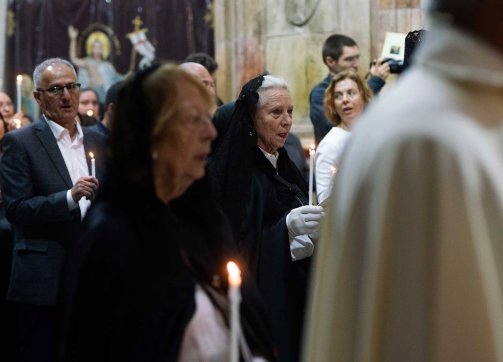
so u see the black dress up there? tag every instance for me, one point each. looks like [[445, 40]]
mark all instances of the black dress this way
[[265, 245], [130, 293], [256, 197]]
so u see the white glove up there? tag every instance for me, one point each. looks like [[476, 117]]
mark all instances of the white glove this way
[[301, 247], [304, 220], [314, 236]]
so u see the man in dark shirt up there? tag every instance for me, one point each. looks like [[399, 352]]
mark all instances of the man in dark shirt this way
[[340, 52]]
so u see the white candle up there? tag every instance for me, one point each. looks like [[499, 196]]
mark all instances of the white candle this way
[[234, 295], [93, 164], [311, 173], [19, 83]]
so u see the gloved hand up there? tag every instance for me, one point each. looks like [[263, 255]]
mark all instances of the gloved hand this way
[[314, 236], [304, 220]]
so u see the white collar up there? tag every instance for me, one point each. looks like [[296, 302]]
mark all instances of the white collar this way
[[58, 130], [273, 158]]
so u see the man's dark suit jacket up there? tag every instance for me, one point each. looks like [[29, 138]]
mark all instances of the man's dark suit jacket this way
[[35, 181]]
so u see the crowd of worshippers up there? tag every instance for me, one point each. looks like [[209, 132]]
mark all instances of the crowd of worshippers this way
[[118, 219]]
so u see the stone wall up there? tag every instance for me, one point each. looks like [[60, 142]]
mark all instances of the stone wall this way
[[3, 37], [285, 38]]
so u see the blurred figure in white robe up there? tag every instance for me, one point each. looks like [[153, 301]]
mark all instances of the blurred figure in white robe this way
[[410, 262]]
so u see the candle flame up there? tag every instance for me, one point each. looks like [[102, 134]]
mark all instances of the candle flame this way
[[234, 274], [91, 155], [19, 79], [17, 122], [311, 149], [90, 113]]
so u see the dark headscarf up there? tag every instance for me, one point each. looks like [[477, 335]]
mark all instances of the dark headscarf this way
[[231, 166], [130, 180], [130, 163]]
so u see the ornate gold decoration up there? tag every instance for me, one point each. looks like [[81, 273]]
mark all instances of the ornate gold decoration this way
[[92, 31], [100, 37]]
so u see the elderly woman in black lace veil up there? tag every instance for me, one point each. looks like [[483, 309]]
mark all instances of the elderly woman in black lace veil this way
[[147, 281], [265, 197]]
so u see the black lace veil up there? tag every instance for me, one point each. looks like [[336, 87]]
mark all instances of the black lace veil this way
[[231, 166]]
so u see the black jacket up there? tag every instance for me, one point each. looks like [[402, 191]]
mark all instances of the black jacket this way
[[130, 291]]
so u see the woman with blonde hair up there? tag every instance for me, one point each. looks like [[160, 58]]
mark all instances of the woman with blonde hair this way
[[147, 280], [345, 99]]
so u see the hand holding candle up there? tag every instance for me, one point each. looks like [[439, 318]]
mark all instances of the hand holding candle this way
[[311, 173], [234, 295], [93, 164], [19, 83]]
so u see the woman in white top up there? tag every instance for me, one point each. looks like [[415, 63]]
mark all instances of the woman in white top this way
[[345, 98]]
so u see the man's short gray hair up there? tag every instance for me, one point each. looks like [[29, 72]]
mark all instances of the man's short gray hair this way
[[460, 12], [270, 82], [39, 69]]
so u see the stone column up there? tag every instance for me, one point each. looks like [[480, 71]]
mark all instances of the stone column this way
[[3, 40], [239, 44], [296, 30]]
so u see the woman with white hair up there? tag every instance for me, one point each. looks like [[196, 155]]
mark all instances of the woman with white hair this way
[[265, 197]]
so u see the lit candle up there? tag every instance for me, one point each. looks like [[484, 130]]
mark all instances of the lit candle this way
[[19, 83], [234, 295], [311, 173], [90, 113], [17, 122], [93, 164]]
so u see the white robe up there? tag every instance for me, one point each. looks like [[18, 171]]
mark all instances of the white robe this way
[[410, 262]]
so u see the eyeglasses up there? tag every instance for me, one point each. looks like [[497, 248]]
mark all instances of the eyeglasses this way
[[58, 90]]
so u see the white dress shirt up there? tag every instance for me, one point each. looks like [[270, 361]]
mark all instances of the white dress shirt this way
[[74, 155]]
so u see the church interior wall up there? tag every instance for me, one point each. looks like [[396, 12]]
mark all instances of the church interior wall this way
[[284, 37]]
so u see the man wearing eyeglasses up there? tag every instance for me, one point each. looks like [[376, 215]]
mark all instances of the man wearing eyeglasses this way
[[47, 186]]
